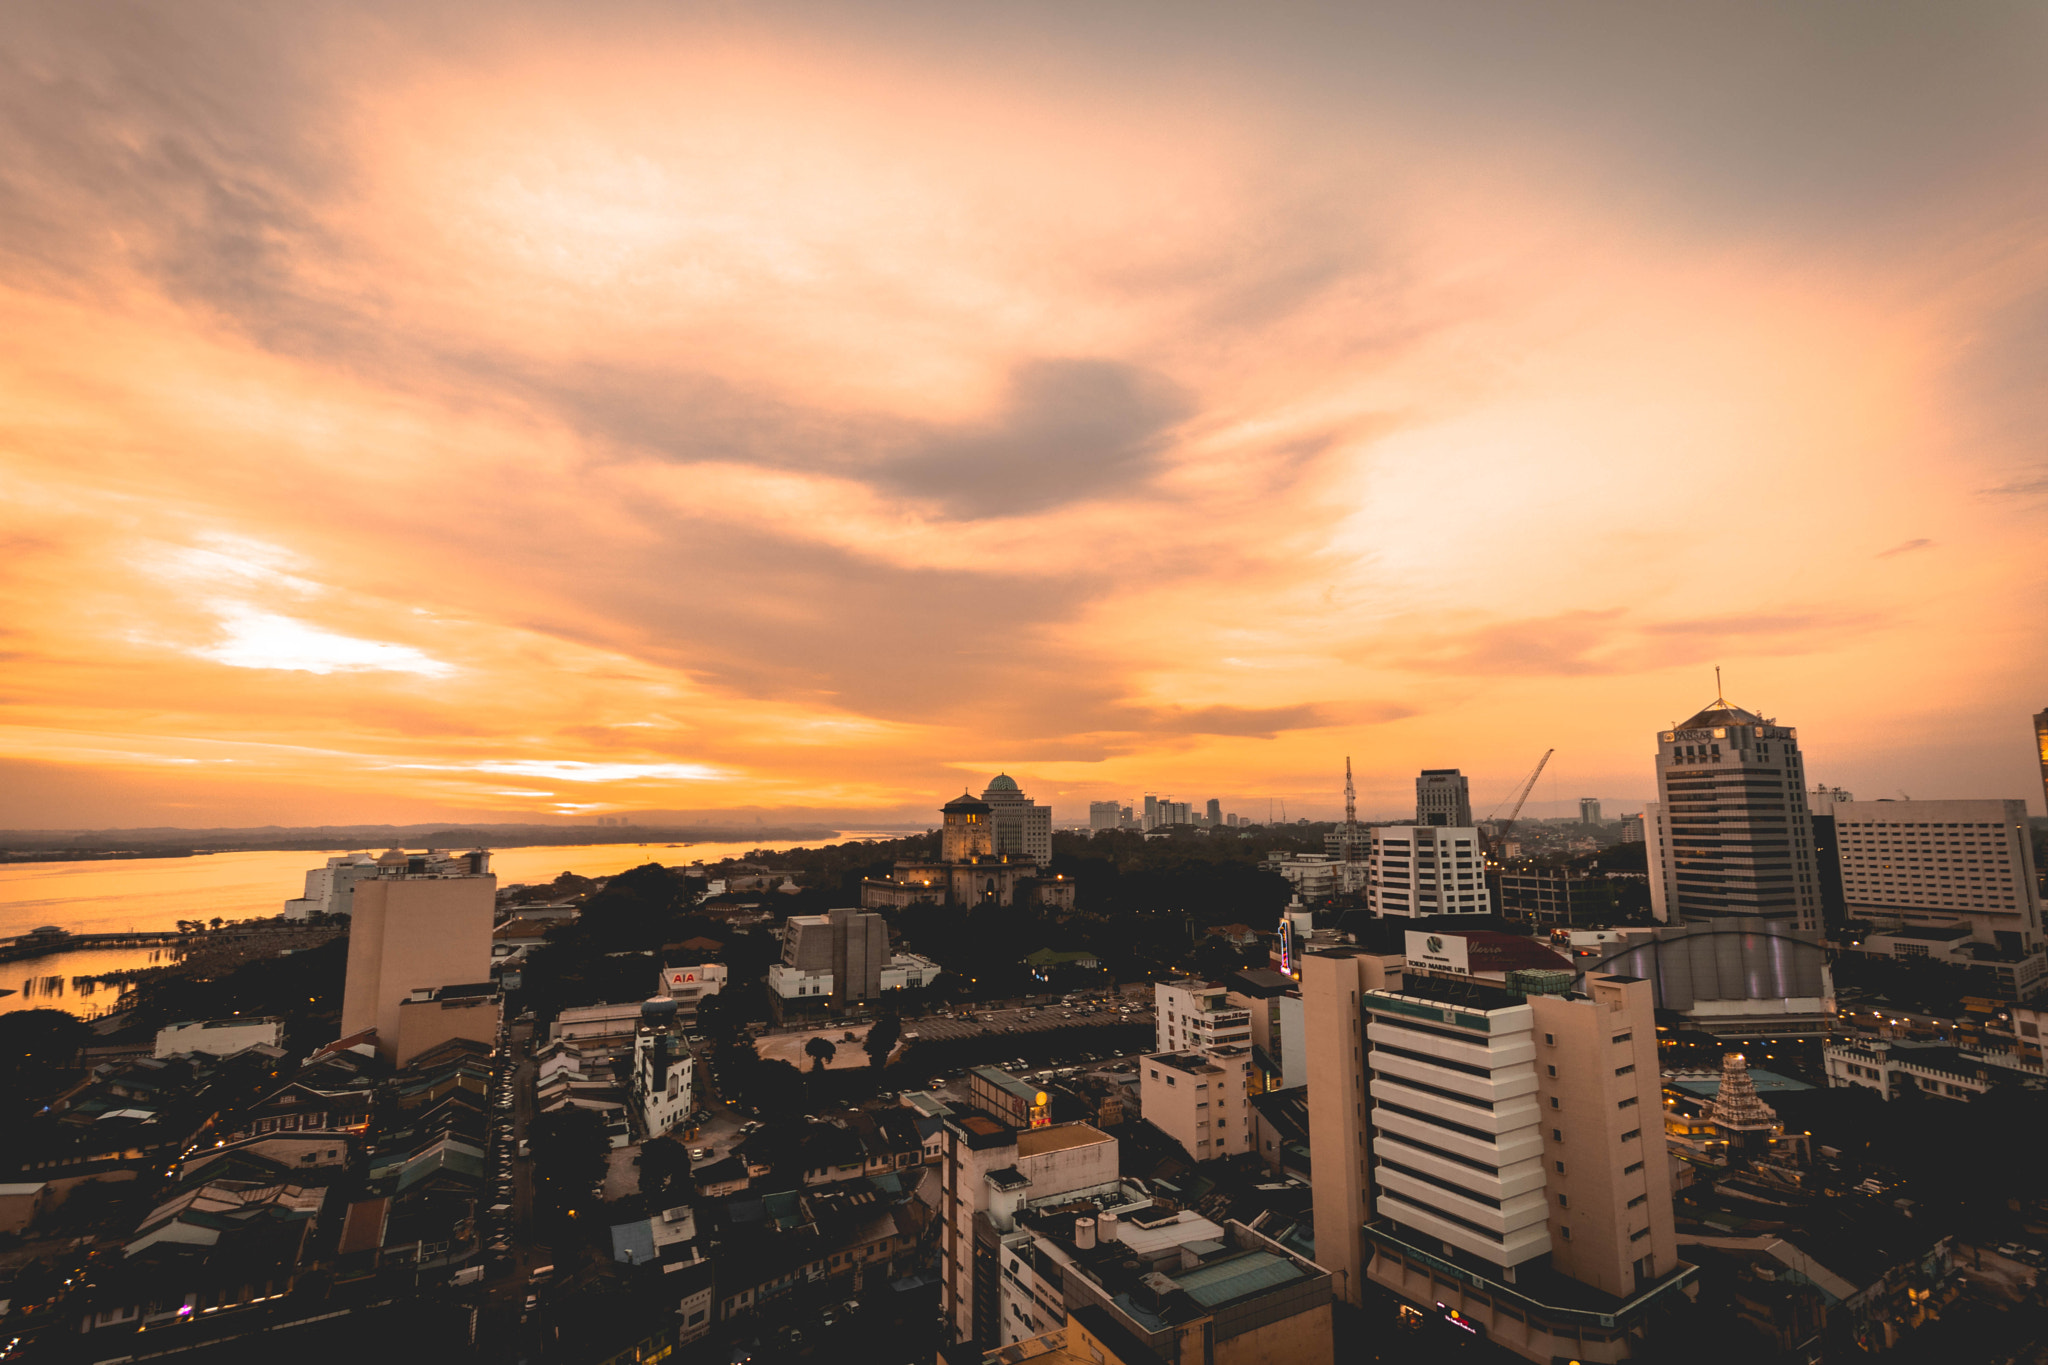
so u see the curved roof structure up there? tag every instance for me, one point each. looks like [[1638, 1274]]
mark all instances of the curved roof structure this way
[[1003, 783], [1721, 713], [965, 804]]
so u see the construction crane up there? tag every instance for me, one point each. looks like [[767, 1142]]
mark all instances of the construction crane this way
[[1520, 796]]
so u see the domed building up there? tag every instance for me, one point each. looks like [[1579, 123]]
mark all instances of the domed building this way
[[992, 851]]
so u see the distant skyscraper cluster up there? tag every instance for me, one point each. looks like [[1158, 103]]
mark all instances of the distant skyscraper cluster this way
[[1160, 812]]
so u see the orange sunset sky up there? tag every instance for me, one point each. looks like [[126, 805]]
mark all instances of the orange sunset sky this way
[[509, 411]]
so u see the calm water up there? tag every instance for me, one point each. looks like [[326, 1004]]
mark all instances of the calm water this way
[[155, 893]]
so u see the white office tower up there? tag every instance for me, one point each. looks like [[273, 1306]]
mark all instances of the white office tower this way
[[1729, 836], [1022, 829], [1942, 864], [1105, 815], [1442, 797], [1426, 870]]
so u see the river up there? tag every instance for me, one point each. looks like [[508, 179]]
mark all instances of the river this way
[[155, 893]]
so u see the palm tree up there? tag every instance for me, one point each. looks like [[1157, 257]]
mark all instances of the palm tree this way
[[820, 1051]]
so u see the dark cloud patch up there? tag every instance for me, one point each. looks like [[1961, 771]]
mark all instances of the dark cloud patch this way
[[1244, 722], [2024, 486], [1905, 547], [1573, 642], [1072, 429]]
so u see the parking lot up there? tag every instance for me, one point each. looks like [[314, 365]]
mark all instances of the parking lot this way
[[966, 1023]]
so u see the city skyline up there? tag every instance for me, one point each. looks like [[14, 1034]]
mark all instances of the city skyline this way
[[540, 413]]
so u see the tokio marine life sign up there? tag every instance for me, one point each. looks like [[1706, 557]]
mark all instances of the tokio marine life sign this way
[[1437, 953]]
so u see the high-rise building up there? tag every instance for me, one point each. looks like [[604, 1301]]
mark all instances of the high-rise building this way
[[1589, 810], [1730, 836], [1500, 1148], [1442, 797], [2041, 750], [1937, 864], [1426, 870], [1022, 829], [1105, 815], [1151, 810], [421, 923], [1333, 1031], [1215, 811]]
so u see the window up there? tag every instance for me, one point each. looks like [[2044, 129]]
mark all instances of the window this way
[[1639, 1201], [1623, 1037], [1629, 1169], [1560, 1168], [1567, 1233], [1626, 1103], [1639, 1234], [1553, 1102], [1550, 1038], [1553, 1071], [1564, 1201], [1557, 1135]]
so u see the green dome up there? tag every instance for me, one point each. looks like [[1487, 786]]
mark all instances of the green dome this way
[[1003, 783]]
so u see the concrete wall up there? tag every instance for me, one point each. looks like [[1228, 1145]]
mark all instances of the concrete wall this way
[[424, 1025], [1331, 983], [1610, 1205], [408, 933]]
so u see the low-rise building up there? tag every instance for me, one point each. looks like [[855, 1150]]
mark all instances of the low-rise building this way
[[1950, 1073], [688, 986], [1200, 1099], [1192, 1014], [431, 1016], [664, 1079], [221, 1037]]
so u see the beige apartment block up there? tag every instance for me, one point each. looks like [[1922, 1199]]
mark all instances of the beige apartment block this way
[[1332, 983], [1200, 1099], [415, 926], [1603, 1115], [1521, 1184]]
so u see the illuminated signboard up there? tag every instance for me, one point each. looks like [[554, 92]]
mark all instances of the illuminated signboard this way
[[1041, 1110]]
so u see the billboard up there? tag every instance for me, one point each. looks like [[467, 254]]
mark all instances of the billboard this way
[[1437, 952]]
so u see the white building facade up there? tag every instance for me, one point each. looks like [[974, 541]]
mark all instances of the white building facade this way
[[1935, 863], [1416, 870], [1198, 1015]]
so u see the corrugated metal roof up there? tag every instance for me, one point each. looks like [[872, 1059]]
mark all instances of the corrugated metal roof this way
[[1222, 1281]]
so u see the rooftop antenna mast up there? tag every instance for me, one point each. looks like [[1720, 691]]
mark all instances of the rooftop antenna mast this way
[[1350, 815]]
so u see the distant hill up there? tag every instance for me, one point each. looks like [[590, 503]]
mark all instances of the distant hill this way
[[50, 845]]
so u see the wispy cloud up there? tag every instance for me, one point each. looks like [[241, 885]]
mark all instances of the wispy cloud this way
[[1905, 547]]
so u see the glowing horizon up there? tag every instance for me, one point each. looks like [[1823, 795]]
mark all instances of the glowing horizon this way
[[457, 412]]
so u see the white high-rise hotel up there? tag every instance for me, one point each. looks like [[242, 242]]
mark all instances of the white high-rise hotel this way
[[1729, 836]]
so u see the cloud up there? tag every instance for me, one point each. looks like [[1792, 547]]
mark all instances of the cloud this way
[[259, 639], [1187, 389], [1905, 547], [1569, 643]]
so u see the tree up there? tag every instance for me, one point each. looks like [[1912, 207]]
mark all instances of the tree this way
[[216, 921], [664, 1171], [820, 1051], [881, 1039]]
